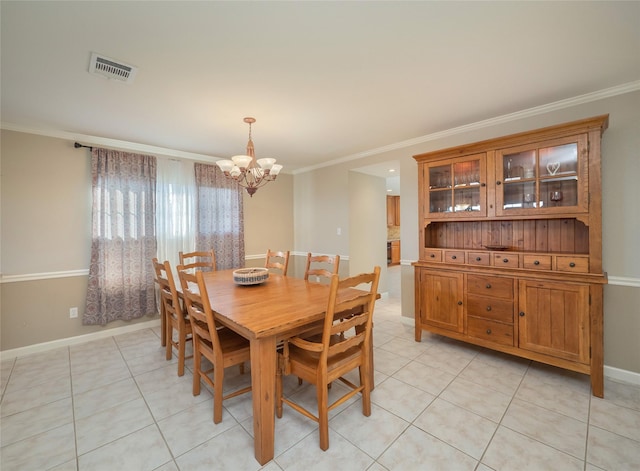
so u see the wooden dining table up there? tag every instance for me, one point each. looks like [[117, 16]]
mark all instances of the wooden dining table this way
[[266, 313]]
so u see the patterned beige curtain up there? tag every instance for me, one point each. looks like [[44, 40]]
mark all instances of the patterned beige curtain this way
[[219, 216], [121, 278]]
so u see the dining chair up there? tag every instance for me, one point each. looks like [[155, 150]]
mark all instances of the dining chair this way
[[201, 260], [175, 318], [221, 346], [163, 314], [345, 345], [277, 260], [317, 266]]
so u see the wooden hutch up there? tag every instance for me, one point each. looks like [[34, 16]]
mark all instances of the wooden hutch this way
[[511, 246]]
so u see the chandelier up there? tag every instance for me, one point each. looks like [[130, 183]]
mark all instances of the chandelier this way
[[248, 172]]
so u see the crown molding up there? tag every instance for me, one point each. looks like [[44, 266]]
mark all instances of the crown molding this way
[[535, 111], [107, 142]]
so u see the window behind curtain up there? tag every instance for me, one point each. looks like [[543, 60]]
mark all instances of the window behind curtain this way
[[219, 216], [121, 278], [175, 209]]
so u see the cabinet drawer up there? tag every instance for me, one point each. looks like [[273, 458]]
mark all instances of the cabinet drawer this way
[[490, 308], [479, 258], [433, 255], [493, 286], [454, 256], [537, 262], [490, 330], [505, 260], [572, 263]]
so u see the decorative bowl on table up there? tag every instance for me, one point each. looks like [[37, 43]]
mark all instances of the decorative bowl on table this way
[[250, 276]]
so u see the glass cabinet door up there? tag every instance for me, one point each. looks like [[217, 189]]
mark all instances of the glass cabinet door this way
[[456, 188], [545, 178]]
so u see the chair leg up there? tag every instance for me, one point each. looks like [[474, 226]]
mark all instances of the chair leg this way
[[218, 375], [242, 368], [322, 394], [163, 326], [169, 345], [182, 339], [365, 380], [197, 359]]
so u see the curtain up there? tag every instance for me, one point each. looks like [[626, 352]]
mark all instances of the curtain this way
[[219, 216], [121, 277], [175, 209]]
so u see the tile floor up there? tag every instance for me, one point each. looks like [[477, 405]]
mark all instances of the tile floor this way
[[116, 404]]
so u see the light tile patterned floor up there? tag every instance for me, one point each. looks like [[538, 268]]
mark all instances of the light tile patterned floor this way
[[116, 404]]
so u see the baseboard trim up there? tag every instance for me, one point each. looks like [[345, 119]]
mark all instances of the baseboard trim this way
[[611, 372], [45, 346], [625, 376]]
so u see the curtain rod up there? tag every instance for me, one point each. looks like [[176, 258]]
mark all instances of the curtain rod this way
[[77, 145]]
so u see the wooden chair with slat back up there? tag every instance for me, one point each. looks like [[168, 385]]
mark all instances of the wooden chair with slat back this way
[[175, 318], [345, 345], [221, 346], [163, 314], [204, 260], [317, 266], [277, 260]]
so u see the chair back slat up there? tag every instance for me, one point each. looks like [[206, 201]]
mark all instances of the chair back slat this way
[[196, 299], [277, 260], [359, 308], [204, 260], [168, 291], [318, 266]]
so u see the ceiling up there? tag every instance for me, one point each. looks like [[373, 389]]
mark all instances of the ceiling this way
[[325, 80]]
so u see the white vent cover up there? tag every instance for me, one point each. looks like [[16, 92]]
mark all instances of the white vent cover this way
[[111, 69]]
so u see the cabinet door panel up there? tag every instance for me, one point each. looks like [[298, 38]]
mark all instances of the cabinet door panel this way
[[554, 319], [456, 188], [544, 177], [441, 300]]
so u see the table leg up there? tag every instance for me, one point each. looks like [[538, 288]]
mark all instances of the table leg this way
[[263, 378]]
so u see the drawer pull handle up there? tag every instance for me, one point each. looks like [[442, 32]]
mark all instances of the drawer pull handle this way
[[521, 314], [489, 331], [505, 260], [572, 264], [537, 262], [488, 285], [498, 182], [459, 303], [488, 308], [432, 255], [453, 257]]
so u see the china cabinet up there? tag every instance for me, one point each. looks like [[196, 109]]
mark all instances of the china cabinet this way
[[511, 245]]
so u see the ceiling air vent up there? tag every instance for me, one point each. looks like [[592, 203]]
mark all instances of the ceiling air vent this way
[[111, 69]]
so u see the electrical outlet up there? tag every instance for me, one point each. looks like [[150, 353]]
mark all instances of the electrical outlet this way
[[73, 313]]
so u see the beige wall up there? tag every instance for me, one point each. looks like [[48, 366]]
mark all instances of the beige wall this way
[[367, 226], [46, 205], [621, 221], [46, 232]]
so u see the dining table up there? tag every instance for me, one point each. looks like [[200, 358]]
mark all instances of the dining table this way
[[266, 314]]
